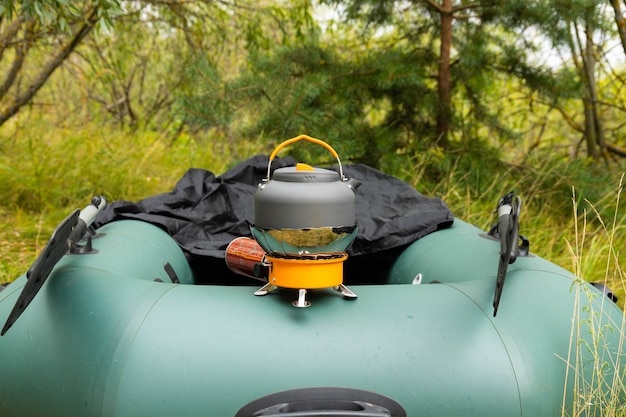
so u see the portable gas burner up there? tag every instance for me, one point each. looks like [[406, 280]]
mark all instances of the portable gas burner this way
[[304, 221]]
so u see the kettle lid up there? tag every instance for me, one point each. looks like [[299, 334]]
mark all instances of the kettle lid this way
[[304, 173]]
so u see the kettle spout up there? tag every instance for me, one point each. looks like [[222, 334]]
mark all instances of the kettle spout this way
[[352, 183]]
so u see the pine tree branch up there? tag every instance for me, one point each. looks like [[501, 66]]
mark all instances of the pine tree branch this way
[[434, 5], [454, 9], [615, 150]]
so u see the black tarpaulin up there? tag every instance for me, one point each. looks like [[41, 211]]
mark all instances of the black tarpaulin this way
[[204, 212]]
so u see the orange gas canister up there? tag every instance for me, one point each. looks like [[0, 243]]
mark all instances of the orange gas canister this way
[[246, 257]]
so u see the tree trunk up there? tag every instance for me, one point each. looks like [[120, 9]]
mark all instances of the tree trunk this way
[[444, 78], [620, 22], [593, 126], [9, 33], [21, 50]]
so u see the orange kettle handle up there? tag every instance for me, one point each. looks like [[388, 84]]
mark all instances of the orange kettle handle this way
[[310, 139]]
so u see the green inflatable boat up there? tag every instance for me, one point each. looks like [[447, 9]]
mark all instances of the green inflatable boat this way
[[118, 321]]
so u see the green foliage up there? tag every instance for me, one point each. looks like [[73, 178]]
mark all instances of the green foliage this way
[[59, 14], [385, 72], [130, 74], [145, 46], [372, 106]]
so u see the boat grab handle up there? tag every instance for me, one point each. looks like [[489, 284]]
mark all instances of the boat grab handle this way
[[324, 408], [323, 402]]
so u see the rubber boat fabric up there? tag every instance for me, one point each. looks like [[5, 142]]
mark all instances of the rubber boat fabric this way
[[204, 213], [119, 329]]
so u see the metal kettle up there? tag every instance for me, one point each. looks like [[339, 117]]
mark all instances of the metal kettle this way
[[305, 210]]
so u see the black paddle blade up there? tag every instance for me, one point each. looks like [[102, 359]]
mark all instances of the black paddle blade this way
[[508, 228], [504, 228], [502, 267], [55, 249]]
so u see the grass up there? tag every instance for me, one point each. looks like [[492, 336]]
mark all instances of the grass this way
[[598, 390], [21, 239]]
